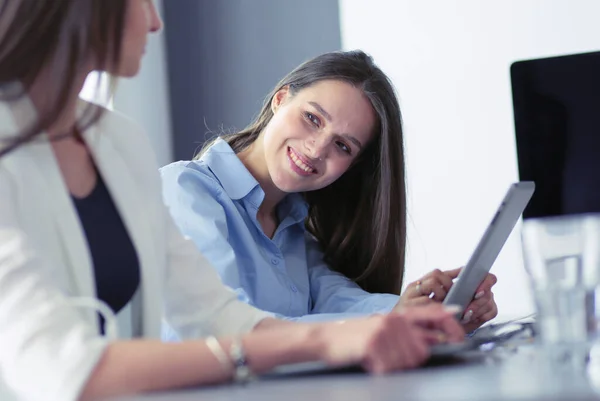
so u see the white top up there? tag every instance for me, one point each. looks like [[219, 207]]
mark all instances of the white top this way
[[48, 347]]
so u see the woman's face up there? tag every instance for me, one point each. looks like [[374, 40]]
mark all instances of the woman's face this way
[[142, 18], [316, 134]]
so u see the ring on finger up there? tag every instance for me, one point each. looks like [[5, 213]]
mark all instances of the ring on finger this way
[[418, 288]]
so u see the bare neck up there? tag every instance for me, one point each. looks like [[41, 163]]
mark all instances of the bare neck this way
[[65, 122], [72, 156], [254, 160]]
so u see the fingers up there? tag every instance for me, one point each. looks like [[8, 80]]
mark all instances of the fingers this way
[[434, 284], [452, 329], [419, 344], [441, 278], [487, 284], [420, 301], [480, 302], [434, 289], [380, 343], [433, 337], [383, 354], [408, 302], [480, 311], [401, 342], [407, 356], [396, 344], [453, 273], [415, 344], [487, 316], [483, 307], [486, 311], [426, 316], [436, 317]]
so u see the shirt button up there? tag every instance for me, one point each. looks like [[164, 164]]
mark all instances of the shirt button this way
[[293, 288], [275, 261]]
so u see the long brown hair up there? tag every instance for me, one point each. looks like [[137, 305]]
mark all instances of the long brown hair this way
[[360, 219], [62, 36]]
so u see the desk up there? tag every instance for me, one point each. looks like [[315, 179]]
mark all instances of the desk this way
[[519, 376]]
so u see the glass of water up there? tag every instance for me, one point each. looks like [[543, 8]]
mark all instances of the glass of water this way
[[562, 258]]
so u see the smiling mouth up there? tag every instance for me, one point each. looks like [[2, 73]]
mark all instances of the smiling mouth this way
[[299, 162]]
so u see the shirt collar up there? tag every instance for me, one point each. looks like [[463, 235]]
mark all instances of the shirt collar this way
[[234, 177], [238, 182]]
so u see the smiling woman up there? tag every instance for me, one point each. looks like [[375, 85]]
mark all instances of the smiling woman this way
[[327, 108], [303, 212], [314, 142], [331, 131]]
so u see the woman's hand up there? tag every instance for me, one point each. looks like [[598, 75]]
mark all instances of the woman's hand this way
[[433, 288], [383, 343], [482, 308]]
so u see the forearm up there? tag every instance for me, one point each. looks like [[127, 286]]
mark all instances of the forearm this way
[[282, 343], [272, 323], [145, 365]]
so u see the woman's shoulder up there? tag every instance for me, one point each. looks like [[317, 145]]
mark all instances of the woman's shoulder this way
[[125, 135], [112, 122], [193, 175]]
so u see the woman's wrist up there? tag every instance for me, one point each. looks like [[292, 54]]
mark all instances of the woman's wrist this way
[[232, 358], [286, 344], [271, 323]]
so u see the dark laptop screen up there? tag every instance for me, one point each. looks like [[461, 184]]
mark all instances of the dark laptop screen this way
[[557, 122]]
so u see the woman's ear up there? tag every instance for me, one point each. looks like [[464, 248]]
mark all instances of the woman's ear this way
[[279, 98]]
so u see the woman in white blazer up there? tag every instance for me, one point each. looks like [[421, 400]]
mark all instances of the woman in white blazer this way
[[55, 152]]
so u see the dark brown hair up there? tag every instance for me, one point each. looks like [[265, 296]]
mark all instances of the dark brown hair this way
[[59, 36], [360, 219]]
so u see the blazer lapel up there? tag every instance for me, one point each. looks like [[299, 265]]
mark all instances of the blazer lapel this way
[[47, 176]]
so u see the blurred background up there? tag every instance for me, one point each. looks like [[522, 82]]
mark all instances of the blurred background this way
[[450, 60]]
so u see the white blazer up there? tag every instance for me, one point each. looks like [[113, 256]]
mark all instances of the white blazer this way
[[48, 347]]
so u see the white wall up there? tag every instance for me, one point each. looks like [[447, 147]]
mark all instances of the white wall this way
[[449, 60]]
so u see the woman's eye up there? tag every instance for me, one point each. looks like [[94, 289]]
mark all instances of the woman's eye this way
[[343, 147], [313, 119]]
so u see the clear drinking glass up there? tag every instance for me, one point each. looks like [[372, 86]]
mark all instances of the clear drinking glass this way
[[562, 258]]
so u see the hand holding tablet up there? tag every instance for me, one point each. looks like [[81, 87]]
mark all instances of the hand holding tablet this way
[[471, 286]]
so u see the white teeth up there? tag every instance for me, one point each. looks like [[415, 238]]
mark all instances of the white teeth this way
[[299, 162]]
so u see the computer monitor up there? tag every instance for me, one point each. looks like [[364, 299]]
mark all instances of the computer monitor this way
[[556, 103]]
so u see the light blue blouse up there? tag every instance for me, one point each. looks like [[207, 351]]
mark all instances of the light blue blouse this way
[[214, 201]]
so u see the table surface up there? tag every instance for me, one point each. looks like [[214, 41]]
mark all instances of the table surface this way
[[503, 374]]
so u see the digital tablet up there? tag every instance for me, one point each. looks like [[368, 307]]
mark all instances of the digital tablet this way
[[472, 275]]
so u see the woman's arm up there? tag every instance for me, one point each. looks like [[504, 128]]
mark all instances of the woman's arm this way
[[379, 344], [332, 292], [204, 260], [197, 304], [148, 365], [44, 337]]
